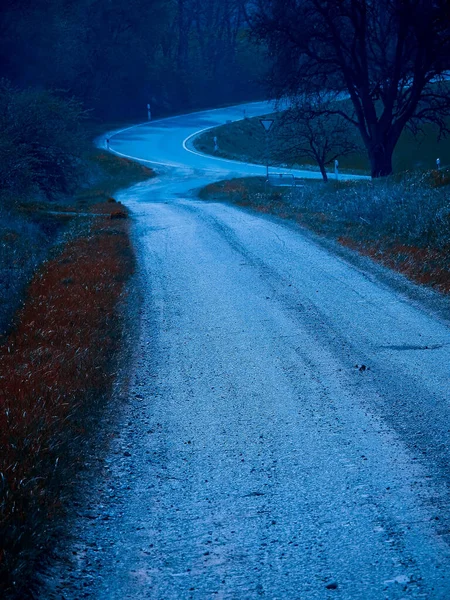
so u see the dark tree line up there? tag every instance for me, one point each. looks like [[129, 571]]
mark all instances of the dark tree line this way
[[117, 55], [389, 57], [41, 140]]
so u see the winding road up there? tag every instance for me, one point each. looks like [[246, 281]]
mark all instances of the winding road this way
[[286, 431]]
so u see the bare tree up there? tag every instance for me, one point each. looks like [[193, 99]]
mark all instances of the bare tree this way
[[308, 130], [389, 57]]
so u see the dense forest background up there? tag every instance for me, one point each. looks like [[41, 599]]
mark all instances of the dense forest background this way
[[116, 56]]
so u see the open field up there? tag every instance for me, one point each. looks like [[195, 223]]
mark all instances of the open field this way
[[245, 140], [402, 222]]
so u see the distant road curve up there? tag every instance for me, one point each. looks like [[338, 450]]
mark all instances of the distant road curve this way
[[168, 143]]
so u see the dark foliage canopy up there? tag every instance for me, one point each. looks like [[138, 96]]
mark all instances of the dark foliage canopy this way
[[117, 55], [41, 137]]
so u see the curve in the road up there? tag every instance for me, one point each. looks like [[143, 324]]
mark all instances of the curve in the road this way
[[168, 142]]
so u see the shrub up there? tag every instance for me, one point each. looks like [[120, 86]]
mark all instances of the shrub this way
[[41, 141], [118, 214]]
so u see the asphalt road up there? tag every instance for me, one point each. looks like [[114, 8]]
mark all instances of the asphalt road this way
[[168, 142], [286, 431]]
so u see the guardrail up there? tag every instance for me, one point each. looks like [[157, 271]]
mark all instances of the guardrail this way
[[283, 180]]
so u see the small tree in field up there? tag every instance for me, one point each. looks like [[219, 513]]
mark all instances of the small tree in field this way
[[307, 130], [389, 57]]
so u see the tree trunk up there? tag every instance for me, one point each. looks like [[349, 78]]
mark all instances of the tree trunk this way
[[323, 171], [380, 162], [182, 50], [380, 153]]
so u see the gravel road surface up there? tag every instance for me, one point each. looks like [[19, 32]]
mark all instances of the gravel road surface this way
[[286, 431]]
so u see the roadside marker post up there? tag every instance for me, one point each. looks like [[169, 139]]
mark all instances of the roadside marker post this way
[[336, 169], [216, 144], [267, 124], [438, 163], [149, 112]]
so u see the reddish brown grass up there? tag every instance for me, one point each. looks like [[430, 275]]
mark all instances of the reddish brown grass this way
[[54, 370], [118, 214], [440, 178], [426, 266]]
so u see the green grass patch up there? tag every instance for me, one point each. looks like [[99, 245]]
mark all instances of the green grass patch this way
[[245, 140]]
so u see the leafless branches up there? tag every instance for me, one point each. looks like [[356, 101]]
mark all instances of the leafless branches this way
[[313, 128], [388, 56]]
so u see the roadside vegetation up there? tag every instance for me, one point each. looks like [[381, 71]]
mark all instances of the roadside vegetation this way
[[245, 140], [402, 222], [65, 261], [48, 169], [31, 225]]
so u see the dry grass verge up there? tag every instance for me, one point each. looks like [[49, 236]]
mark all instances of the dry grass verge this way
[[402, 222], [31, 227], [57, 367]]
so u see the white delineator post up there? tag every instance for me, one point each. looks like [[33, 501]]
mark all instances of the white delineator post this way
[[267, 124], [149, 112], [336, 169], [438, 163], [216, 144]]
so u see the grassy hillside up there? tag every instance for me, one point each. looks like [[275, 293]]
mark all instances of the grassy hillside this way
[[245, 140]]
